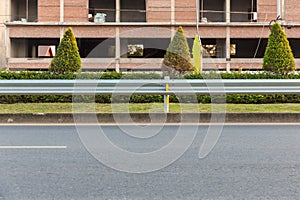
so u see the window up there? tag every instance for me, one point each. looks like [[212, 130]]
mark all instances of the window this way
[[255, 47], [210, 50], [212, 11], [45, 51], [240, 10], [135, 50], [105, 8], [96, 47], [232, 49], [243, 10], [133, 11], [144, 47], [24, 10]]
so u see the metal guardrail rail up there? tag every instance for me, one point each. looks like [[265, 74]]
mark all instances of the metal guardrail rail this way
[[126, 87], [164, 87]]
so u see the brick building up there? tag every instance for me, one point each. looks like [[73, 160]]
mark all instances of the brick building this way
[[136, 33]]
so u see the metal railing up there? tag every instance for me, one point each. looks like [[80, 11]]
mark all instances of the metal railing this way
[[176, 86], [163, 87]]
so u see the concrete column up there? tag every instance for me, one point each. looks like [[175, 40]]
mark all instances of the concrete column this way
[[27, 10], [4, 34], [118, 49], [118, 12], [7, 49], [197, 16], [3, 49], [283, 9], [61, 18], [62, 32], [227, 35], [278, 7], [172, 11], [173, 30]]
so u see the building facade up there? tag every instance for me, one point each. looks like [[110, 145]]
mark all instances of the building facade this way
[[134, 34]]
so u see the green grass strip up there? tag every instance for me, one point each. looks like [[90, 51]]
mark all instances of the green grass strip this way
[[144, 108]]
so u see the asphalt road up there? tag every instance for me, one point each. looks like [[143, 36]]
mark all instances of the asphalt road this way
[[248, 162]]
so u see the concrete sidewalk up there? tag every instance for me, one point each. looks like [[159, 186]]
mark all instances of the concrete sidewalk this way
[[146, 118]]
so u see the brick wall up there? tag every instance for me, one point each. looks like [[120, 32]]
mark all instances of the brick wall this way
[[249, 32], [266, 10], [158, 11], [292, 11], [48, 11], [145, 32], [76, 11], [87, 64], [205, 32], [94, 31], [34, 32], [185, 11], [55, 31]]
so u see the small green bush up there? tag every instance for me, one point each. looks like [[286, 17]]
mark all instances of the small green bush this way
[[278, 56], [177, 60], [67, 58]]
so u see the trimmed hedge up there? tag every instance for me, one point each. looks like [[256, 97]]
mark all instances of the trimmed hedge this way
[[177, 60], [25, 75], [247, 99], [10, 75], [67, 58], [278, 57], [236, 75]]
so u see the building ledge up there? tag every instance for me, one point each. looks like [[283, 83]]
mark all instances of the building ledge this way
[[121, 24], [149, 64]]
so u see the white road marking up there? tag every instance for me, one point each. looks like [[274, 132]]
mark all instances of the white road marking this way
[[33, 147]]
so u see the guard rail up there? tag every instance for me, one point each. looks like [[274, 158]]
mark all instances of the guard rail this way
[[188, 87], [164, 87]]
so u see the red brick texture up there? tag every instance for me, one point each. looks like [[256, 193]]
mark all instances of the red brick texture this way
[[48, 11], [185, 11], [158, 11], [76, 10], [266, 10], [34, 32], [292, 11]]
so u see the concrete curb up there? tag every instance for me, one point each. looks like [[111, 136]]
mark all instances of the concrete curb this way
[[56, 118]]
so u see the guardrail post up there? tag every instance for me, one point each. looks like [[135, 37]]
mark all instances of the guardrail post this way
[[166, 97]]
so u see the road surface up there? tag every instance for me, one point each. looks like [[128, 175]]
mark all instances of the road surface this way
[[248, 162]]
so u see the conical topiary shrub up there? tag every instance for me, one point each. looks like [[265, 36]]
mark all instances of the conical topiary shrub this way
[[177, 59], [278, 56], [67, 58], [197, 55]]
